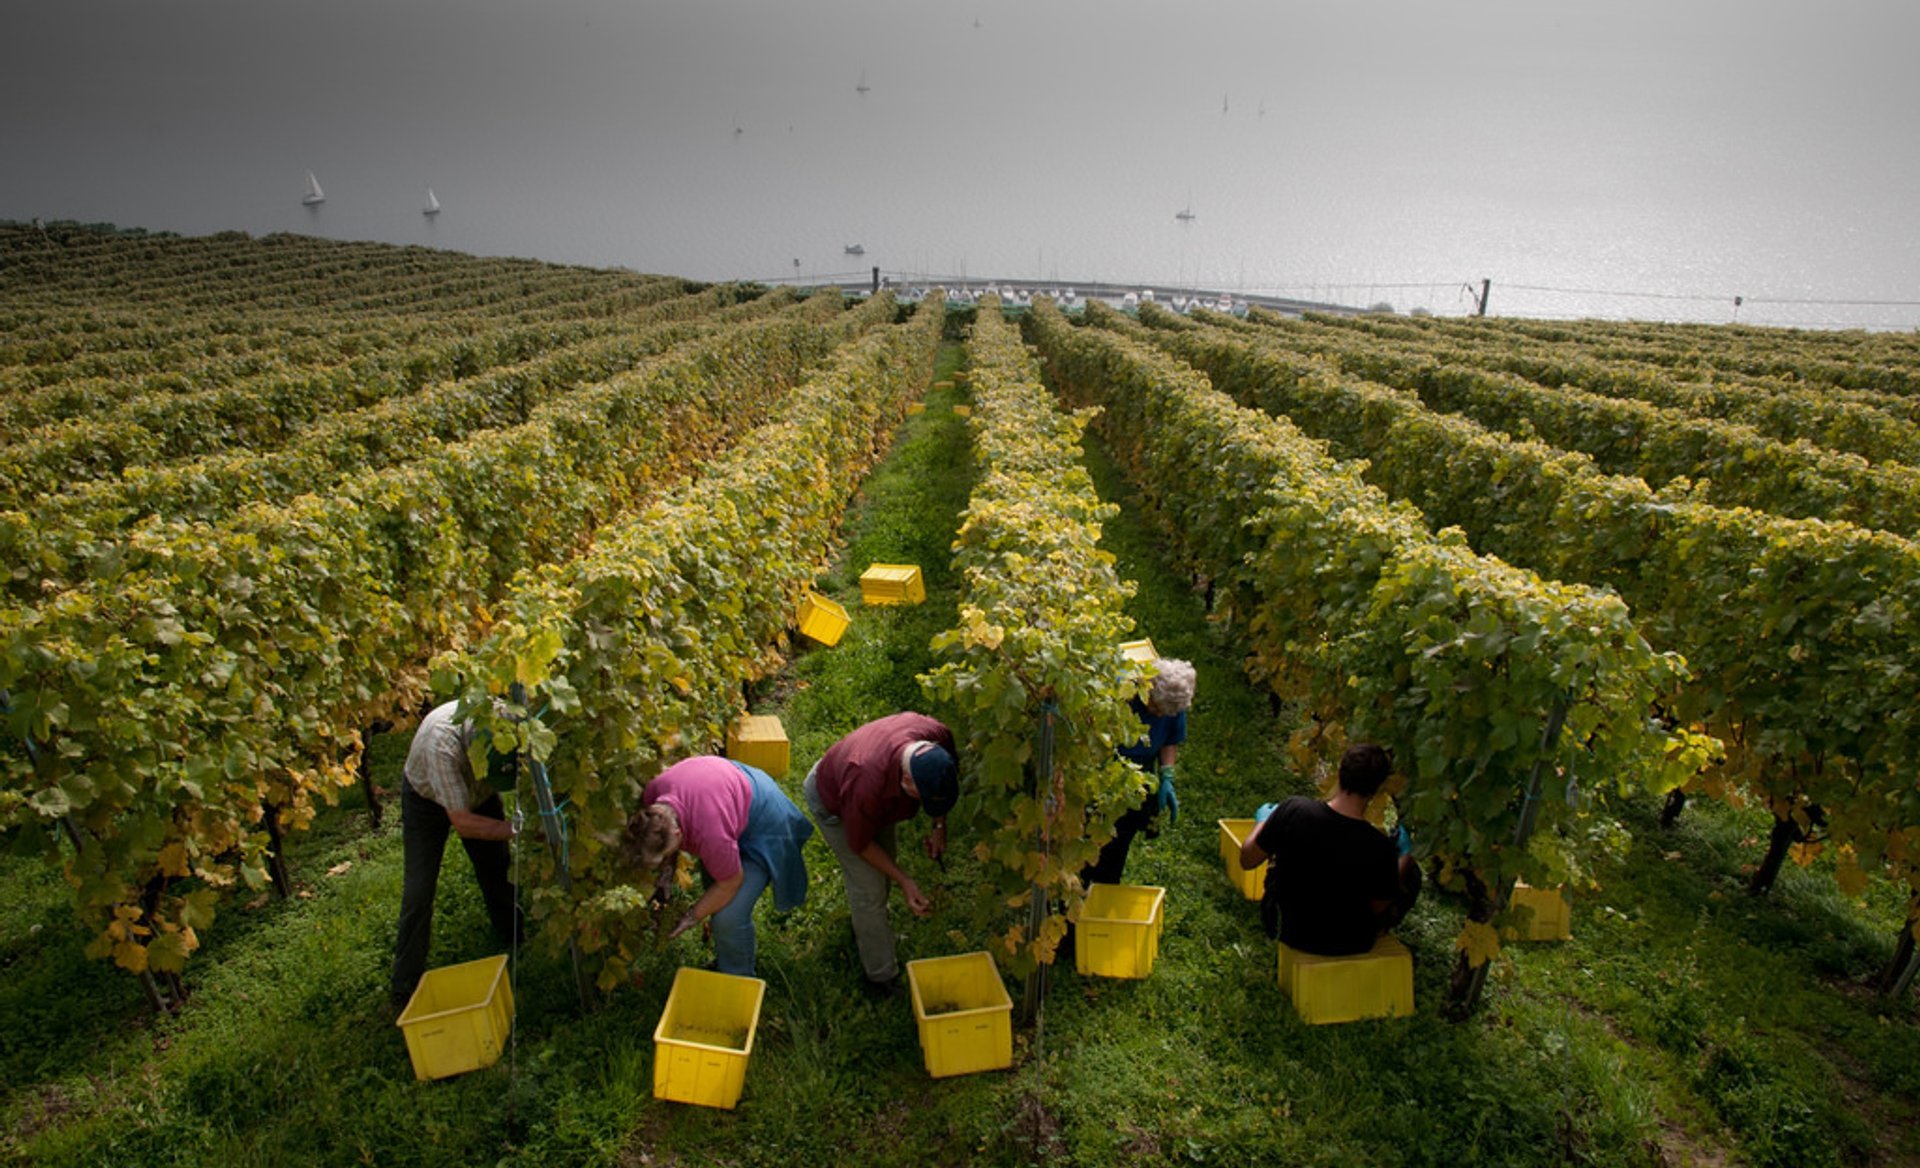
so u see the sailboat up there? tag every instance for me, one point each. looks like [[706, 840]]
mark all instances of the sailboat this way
[[1223, 103], [315, 196], [1185, 214], [863, 86], [433, 205]]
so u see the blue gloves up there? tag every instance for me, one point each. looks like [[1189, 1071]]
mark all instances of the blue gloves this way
[[1168, 797], [1266, 809], [1402, 840]]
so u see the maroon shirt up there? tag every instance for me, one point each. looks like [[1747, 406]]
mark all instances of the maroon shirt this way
[[858, 779]]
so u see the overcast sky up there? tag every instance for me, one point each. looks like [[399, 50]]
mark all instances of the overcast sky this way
[[1629, 140]]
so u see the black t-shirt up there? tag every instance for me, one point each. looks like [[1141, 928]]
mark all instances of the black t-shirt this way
[[1324, 870]]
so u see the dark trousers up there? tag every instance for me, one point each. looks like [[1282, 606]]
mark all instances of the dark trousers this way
[[1111, 866], [423, 831]]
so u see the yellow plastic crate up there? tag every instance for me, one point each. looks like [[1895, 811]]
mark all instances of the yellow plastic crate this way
[[759, 740], [1540, 914], [1118, 934], [1139, 653], [917, 407], [1232, 833], [458, 1018], [963, 411], [943, 385], [705, 1037], [892, 584], [822, 618], [963, 1012], [1375, 984]]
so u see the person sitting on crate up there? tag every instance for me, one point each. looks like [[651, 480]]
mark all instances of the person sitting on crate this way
[[441, 794], [879, 776], [1335, 882], [1164, 714], [747, 835]]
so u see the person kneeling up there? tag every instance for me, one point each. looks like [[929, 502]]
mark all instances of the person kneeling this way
[[1335, 882]]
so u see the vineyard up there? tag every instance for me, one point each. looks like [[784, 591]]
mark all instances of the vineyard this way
[[1634, 607]]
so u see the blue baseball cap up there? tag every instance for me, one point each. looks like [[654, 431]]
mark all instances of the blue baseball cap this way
[[937, 778]]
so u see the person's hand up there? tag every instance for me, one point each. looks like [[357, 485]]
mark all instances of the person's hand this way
[[1169, 798], [916, 900], [686, 922], [936, 843]]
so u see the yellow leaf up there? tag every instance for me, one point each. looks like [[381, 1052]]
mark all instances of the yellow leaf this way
[[130, 956], [1804, 854], [173, 859], [1479, 942]]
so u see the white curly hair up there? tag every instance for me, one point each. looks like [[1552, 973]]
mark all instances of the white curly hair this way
[[1172, 685]]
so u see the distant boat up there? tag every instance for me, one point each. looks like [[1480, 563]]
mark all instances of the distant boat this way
[[1263, 107], [855, 249], [315, 196], [433, 204], [1223, 103], [1185, 214], [863, 86]]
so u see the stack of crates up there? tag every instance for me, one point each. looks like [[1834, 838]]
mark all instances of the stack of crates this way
[[892, 584], [1118, 934], [458, 1018], [963, 1012], [705, 1037], [759, 740]]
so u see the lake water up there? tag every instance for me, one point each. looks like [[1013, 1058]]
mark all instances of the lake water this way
[[1627, 158]]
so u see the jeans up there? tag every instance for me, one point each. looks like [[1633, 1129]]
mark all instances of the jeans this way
[[867, 889], [423, 832], [733, 939]]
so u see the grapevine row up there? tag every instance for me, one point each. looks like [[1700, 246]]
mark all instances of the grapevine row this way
[[232, 670], [80, 533], [1736, 465], [635, 653], [1510, 703], [1041, 619], [1803, 635]]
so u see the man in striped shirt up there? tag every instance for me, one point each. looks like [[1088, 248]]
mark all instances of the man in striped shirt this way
[[442, 794]]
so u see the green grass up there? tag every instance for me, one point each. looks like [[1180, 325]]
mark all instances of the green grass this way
[[1686, 1022]]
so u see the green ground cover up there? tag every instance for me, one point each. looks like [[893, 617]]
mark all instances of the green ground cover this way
[[1685, 1023]]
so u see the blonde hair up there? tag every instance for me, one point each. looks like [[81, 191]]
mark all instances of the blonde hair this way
[[651, 836], [1172, 685]]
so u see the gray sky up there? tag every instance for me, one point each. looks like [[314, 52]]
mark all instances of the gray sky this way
[[1713, 145]]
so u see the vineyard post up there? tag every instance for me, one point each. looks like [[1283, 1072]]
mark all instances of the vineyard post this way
[[379, 726], [1486, 289], [1905, 962], [1676, 803], [1468, 980], [277, 860], [1904, 982], [555, 827], [1040, 783]]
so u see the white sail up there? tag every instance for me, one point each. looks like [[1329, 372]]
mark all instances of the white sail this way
[[433, 204], [314, 193]]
